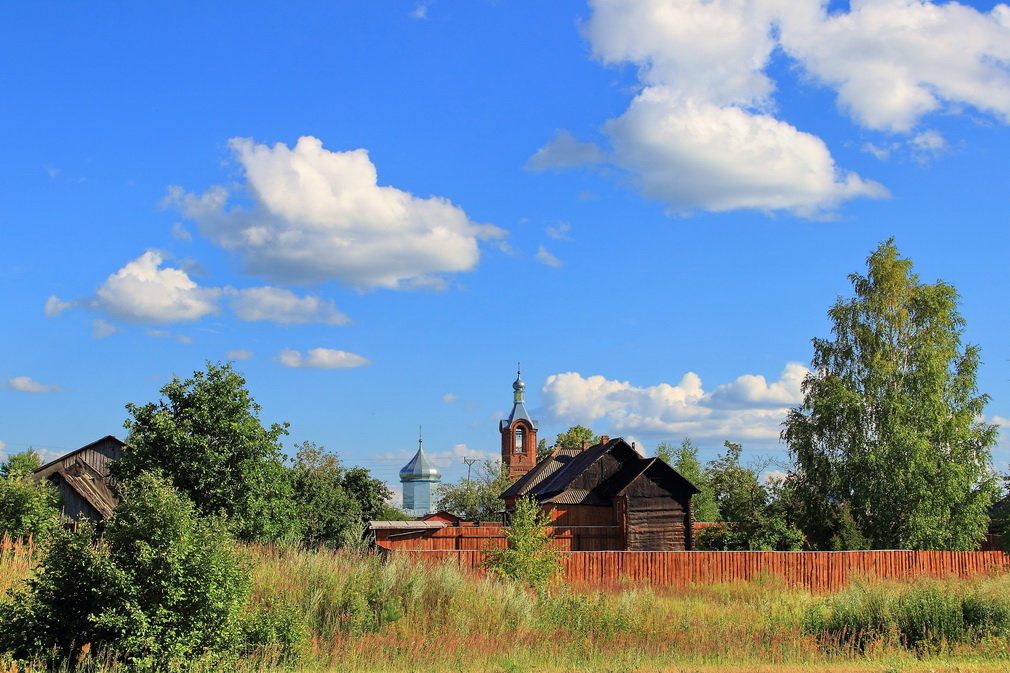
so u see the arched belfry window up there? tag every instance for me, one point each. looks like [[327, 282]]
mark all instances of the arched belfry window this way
[[519, 439]]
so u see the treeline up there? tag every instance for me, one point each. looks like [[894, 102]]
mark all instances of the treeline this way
[[205, 439], [164, 580]]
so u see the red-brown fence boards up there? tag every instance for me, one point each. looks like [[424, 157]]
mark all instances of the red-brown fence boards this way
[[819, 571]]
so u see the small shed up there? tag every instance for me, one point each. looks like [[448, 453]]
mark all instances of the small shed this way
[[611, 484], [82, 479]]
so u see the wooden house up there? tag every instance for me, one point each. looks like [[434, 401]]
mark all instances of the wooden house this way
[[82, 479], [611, 484]]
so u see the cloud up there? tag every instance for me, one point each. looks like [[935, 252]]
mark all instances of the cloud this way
[[318, 215], [749, 391], [450, 458], [564, 151], [547, 258], [144, 292], [165, 334], [27, 384], [559, 232], [55, 306], [282, 306], [894, 61], [101, 329], [321, 358], [449, 398], [239, 354], [420, 11], [748, 408], [180, 232], [694, 154], [702, 133]]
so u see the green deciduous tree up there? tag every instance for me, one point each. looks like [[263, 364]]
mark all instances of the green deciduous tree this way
[[684, 459], [21, 464], [161, 587], [755, 517], [333, 503], [27, 506], [206, 438], [476, 499], [527, 557], [575, 435], [889, 432]]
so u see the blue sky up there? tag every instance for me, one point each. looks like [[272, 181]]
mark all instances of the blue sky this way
[[376, 209]]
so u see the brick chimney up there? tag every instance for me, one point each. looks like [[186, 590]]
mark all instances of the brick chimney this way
[[604, 439], [585, 444]]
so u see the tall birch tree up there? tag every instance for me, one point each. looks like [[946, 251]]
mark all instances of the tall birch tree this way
[[889, 437]]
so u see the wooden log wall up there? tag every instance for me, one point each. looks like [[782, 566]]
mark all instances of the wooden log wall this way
[[818, 571]]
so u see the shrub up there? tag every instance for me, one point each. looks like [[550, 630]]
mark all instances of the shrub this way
[[27, 506], [162, 586], [527, 558]]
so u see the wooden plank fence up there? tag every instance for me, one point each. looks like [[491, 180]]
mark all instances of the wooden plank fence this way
[[819, 571]]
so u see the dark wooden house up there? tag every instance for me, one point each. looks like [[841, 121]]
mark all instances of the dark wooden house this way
[[611, 484], [82, 479]]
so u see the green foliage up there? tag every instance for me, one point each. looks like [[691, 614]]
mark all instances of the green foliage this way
[[334, 504], [206, 438], [160, 587], [526, 558], [756, 516], [927, 617], [476, 499], [21, 464], [889, 426], [27, 506], [684, 459], [543, 450], [575, 435]]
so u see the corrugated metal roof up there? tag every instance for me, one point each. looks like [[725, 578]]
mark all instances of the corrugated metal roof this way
[[543, 470], [406, 525], [578, 496]]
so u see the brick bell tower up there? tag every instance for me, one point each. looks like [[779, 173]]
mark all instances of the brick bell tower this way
[[518, 434]]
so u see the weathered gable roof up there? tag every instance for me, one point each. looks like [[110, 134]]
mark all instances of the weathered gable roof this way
[[54, 465], [551, 480], [554, 474], [90, 485], [543, 470], [660, 469], [85, 472]]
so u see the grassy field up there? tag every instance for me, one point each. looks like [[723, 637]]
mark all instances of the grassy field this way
[[356, 613]]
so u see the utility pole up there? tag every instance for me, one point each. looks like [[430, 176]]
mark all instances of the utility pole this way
[[469, 463]]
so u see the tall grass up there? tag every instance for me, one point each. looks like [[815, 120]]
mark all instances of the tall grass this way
[[329, 611]]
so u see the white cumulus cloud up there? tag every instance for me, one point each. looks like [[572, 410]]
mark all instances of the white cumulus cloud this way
[[692, 154], [26, 384], [320, 358], [893, 61], [278, 305], [144, 292], [750, 407], [703, 131], [239, 354], [318, 215]]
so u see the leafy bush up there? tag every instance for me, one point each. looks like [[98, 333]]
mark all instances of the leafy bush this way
[[527, 557], [27, 506], [162, 586], [926, 617]]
